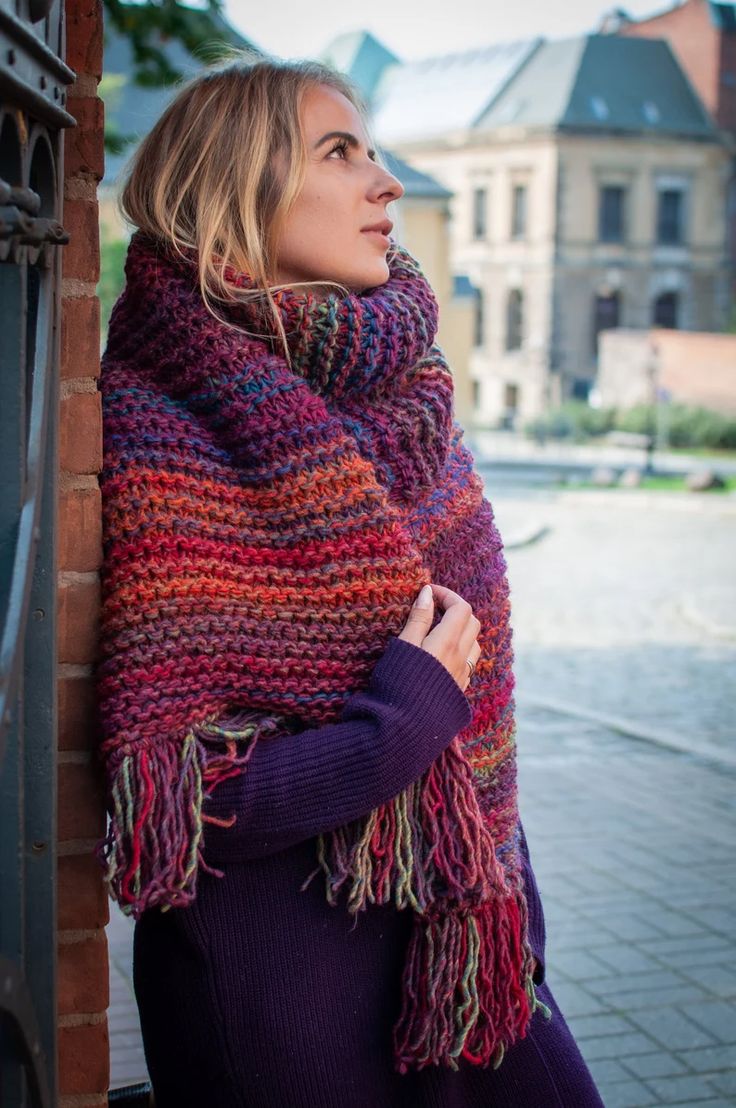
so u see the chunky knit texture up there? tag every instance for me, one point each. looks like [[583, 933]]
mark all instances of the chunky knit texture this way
[[266, 529]]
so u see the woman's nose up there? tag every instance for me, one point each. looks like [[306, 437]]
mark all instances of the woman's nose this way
[[391, 186]]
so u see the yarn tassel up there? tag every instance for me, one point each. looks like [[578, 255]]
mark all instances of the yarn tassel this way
[[152, 853], [467, 987], [463, 992], [428, 842]]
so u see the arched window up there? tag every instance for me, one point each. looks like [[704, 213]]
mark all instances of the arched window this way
[[514, 319], [606, 313], [664, 311]]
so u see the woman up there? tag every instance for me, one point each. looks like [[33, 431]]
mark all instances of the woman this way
[[288, 509]]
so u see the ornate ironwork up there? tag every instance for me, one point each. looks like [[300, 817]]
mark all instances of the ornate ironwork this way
[[33, 80]]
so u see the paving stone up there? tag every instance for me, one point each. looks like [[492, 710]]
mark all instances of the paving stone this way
[[607, 1070], [725, 1083], [671, 1028], [631, 926], [619, 1046], [661, 1064], [626, 958], [626, 1094], [578, 965], [681, 1090], [574, 1001], [591, 1027], [679, 995], [635, 982], [717, 1017], [708, 1059]]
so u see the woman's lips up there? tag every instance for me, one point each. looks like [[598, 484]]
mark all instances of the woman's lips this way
[[378, 235]]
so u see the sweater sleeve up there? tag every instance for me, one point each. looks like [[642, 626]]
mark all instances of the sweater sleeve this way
[[537, 929], [296, 786]]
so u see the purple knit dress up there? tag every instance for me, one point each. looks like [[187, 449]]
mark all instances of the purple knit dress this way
[[259, 995]]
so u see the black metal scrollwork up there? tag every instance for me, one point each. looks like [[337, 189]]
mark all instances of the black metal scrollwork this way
[[32, 76]]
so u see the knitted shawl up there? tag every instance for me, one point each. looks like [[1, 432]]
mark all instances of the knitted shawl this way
[[266, 530]]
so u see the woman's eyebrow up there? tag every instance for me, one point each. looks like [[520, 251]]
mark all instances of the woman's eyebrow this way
[[347, 135]]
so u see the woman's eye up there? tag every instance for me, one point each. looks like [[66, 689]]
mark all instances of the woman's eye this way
[[341, 146]]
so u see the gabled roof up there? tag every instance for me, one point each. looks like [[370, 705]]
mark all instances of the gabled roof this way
[[414, 182], [132, 109], [723, 16], [428, 98], [360, 55], [602, 83]]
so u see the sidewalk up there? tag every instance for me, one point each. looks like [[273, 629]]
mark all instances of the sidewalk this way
[[632, 846]]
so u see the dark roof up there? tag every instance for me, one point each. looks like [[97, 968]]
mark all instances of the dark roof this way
[[132, 109], [414, 182], [723, 16], [603, 83], [362, 56]]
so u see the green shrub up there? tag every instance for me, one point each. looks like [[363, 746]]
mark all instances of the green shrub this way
[[574, 419], [685, 426]]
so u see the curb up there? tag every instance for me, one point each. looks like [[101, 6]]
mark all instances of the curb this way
[[688, 609], [527, 538], [666, 739]]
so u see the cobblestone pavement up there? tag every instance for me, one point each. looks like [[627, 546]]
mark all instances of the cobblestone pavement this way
[[632, 843], [632, 847]]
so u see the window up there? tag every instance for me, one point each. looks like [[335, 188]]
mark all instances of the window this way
[[518, 212], [664, 313], [514, 319], [480, 198], [580, 388], [478, 320], [606, 312], [510, 397], [476, 394], [669, 216], [611, 214]]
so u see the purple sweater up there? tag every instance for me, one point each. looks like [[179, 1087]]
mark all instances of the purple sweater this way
[[259, 995]]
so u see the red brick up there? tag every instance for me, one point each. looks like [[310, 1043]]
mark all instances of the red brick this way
[[80, 433], [81, 256], [81, 801], [80, 336], [83, 145], [83, 902], [84, 1059], [82, 980], [84, 36], [78, 621], [78, 725], [80, 530]]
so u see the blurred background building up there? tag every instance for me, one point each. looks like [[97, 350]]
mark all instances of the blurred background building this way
[[555, 189], [590, 189]]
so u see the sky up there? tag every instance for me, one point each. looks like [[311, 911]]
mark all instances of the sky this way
[[418, 28]]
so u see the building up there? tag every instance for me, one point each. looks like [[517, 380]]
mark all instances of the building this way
[[702, 36], [582, 201]]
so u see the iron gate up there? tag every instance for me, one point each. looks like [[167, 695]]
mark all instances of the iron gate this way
[[33, 78]]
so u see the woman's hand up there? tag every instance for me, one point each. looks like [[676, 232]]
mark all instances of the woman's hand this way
[[455, 638]]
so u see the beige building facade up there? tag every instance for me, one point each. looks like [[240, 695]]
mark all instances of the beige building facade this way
[[589, 191], [526, 227]]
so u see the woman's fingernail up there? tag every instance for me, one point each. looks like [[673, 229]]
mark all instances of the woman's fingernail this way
[[424, 600]]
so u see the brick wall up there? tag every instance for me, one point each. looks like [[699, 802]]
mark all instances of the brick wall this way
[[697, 367], [82, 903]]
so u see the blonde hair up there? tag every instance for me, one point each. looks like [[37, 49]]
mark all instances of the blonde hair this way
[[202, 179]]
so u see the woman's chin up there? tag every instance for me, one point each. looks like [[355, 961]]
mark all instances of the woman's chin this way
[[372, 277]]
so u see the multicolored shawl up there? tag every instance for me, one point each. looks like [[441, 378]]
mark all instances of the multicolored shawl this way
[[266, 531]]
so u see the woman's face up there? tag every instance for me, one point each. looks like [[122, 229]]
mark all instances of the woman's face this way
[[344, 192]]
